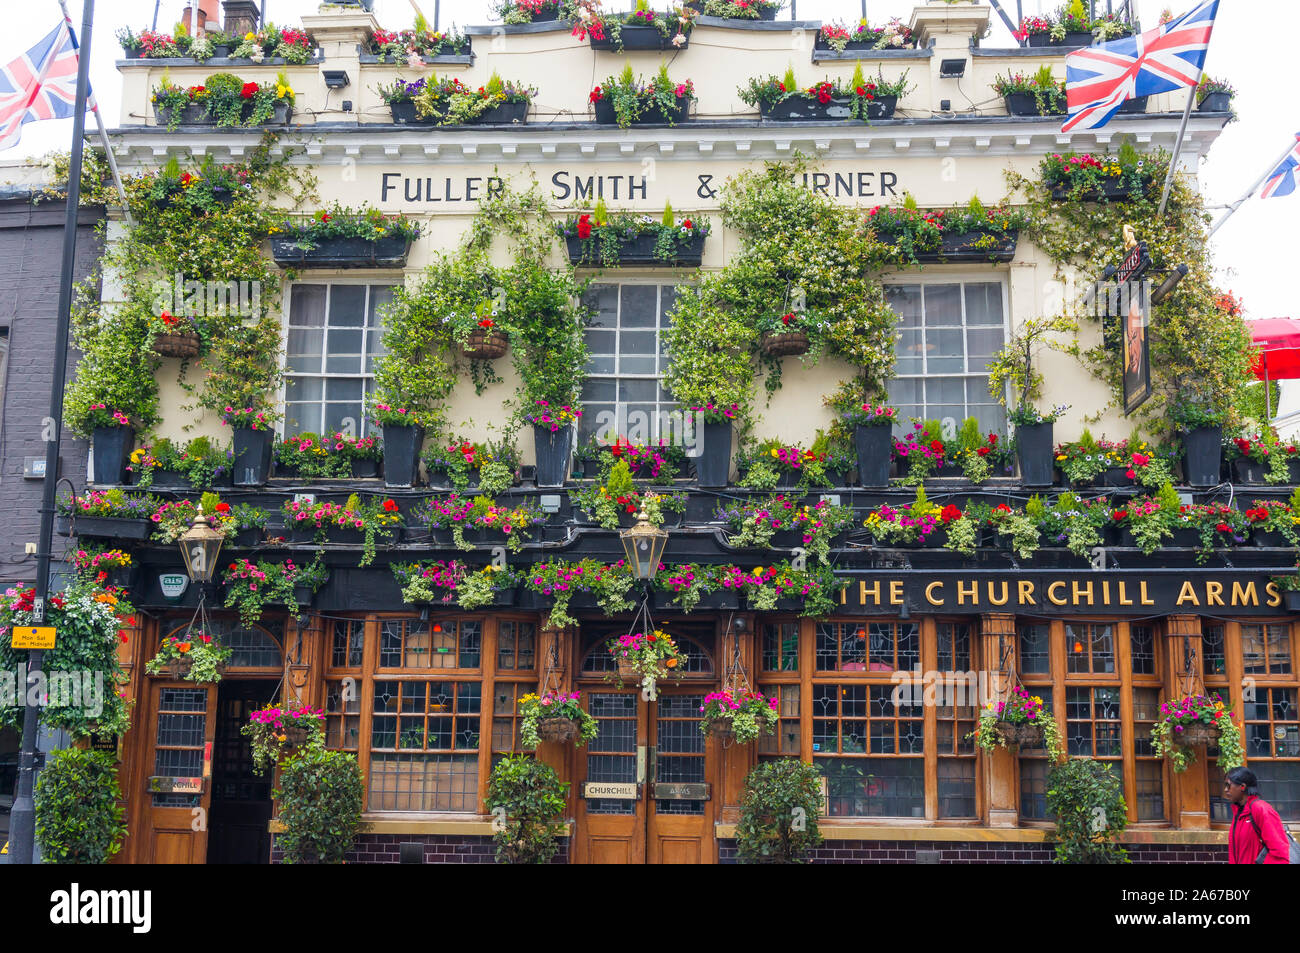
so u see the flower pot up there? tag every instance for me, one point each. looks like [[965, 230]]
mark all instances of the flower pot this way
[[103, 526], [977, 246], [112, 448], [721, 729], [1203, 462], [1248, 471], [874, 445], [365, 469], [503, 114], [882, 107], [303, 596], [176, 669], [404, 114], [1185, 539], [280, 115], [714, 462], [1115, 476], [1113, 189], [1076, 39], [1197, 733], [557, 729], [1015, 735], [627, 669], [637, 252], [133, 54], [191, 114], [169, 478], [387, 252], [252, 456], [551, 448], [1215, 103], [654, 116], [1291, 598], [784, 343], [402, 454], [184, 344], [124, 577], [1025, 104], [800, 108], [1138, 104], [1038, 39], [245, 538], [638, 38], [484, 345], [1293, 470], [221, 50], [1034, 450]]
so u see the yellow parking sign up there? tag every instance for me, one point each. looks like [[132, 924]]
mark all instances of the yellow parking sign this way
[[33, 637]]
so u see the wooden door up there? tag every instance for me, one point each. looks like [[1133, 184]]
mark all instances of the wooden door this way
[[182, 729], [611, 830], [241, 800], [651, 757]]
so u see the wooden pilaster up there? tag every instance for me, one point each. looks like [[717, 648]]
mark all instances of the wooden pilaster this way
[[1000, 768], [1190, 796]]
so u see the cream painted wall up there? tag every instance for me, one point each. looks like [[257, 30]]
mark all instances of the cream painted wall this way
[[940, 165]]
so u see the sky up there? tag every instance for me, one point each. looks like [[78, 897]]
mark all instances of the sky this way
[[1252, 261]]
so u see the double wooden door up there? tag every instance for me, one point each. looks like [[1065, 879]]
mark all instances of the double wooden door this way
[[646, 785]]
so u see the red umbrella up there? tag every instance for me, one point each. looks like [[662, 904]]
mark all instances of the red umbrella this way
[[1278, 340]]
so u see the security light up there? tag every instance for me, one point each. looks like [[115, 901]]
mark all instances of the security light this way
[[336, 78], [952, 69]]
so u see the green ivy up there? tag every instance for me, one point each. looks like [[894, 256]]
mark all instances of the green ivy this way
[[320, 796], [779, 811], [78, 817], [533, 799]]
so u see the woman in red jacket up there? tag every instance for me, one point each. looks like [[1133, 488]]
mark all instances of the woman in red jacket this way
[[1255, 824]]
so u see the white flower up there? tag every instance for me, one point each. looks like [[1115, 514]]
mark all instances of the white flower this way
[[679, 39], [414, 60], [257, 55]]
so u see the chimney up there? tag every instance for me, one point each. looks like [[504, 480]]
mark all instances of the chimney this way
[[187, 20], [241, 17], [207, 15]]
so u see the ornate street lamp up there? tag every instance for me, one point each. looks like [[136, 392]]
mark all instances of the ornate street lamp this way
[[200, 546], [644, 545]]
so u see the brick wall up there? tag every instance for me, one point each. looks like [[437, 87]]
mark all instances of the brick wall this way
[[438, 849], [31, 250], [981, 852]]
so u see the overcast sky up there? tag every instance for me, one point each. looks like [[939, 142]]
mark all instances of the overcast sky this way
[[1253, 258]]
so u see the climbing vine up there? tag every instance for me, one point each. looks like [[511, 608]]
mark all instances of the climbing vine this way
[[1200, 352]]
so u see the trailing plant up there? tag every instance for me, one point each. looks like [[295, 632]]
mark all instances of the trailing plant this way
[[108, 504], [779, 809], [268, 730], [1178, 715], [632, 97], [559, 581], [1019, 709], [1047, 90], [817, 588], [602, 235], [894, 35], [312, 456], [534, 708], [204, 655], [688, 583], [251, 586], [339, 221], [79, 816], [922, 449], [1088, 174], [199, 462], [913, 231], [653, 656], [533, 799], [1022, 530]]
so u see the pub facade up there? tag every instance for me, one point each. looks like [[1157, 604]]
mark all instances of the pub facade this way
[[881, 693]]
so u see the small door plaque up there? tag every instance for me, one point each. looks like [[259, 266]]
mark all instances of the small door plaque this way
[[681, 791], [620, 791]]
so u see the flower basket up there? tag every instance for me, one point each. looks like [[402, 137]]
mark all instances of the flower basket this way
[[177, 669], [639, 251], [784, 344], [388, 252], [557, 729], [184, 344], [1215, 103], [1012, 734], [606, 116], [1196, 734], [638, 38], [295, 736], [484, 345], [1024, 104], [111, 451], [627, 670], [1291, 598], [721, 729]]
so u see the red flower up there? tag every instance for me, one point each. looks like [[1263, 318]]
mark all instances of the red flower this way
[[949, 513], [1130, 474], [205, 639], [993, 439], [1141, 459], [597, 95], [223, 507], [687, 224], [1119, 515], [1002, 507], [1224, 528], [485, 323], [167, 318], [787, 318], [584, 226], [249, 90], [390, 506], [983, 451], [936, 446], [325, 216]]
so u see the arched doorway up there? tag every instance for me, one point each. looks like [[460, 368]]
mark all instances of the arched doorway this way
[[647, 783]]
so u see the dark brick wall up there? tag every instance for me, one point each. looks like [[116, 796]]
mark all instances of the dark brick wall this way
[[31, 250], [981, 852], [438, 849]]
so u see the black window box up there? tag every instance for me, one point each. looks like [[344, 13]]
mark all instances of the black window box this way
[[803, 109], [1072, 40], [638, 38], [1112, 190], [606, 116], [963, 247], [103, 526], [1215, 103], [723, 599], [194, 114], [638, 252], [1025, 104], [342, 253], [506, 114]]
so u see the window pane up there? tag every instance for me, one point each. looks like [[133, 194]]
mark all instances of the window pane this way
[[984, 304], [639, 306], [942, 306]]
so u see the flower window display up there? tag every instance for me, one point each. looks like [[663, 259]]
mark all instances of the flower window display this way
[[741, 714], [1195, 720]]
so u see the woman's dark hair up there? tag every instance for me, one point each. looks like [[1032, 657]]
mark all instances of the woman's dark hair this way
[[1244, 776]]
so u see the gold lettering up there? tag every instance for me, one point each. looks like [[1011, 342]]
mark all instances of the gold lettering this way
[[1187, 594], [1274, 594], [896, 592], [1124, 600], [1142, 594], [1246, 594], [1077, 591], [1026, 595], [844, 593], [1006, 595], [1052, 597], [1105, 592], [862, 592], [929, 593], [1213, 593], [965, 591]]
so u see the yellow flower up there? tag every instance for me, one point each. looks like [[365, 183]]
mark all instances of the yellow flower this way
[[774, 453], [250, 37], [758, 570], [136, 455]]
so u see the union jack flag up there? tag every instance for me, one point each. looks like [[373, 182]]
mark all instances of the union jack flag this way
[[1099, 78], [40, 84], [1281, 181]]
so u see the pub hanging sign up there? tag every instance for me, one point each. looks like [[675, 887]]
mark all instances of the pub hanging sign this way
[[1048, 593]]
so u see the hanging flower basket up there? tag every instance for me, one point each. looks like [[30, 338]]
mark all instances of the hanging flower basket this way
[[1195, 735], [785, 344], [1029, 736], [484, 346], [177, 669], [184, 344], [557, 729], [627, 670], [721, 729]]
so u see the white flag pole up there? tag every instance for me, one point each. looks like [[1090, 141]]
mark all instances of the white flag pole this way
[[103, 137], [1246, 196], [1178, 146]]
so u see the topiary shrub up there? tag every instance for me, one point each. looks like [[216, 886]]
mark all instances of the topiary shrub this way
[[78, 817], [532, 798], [1088, 802], [320, 800], [778, 812]]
